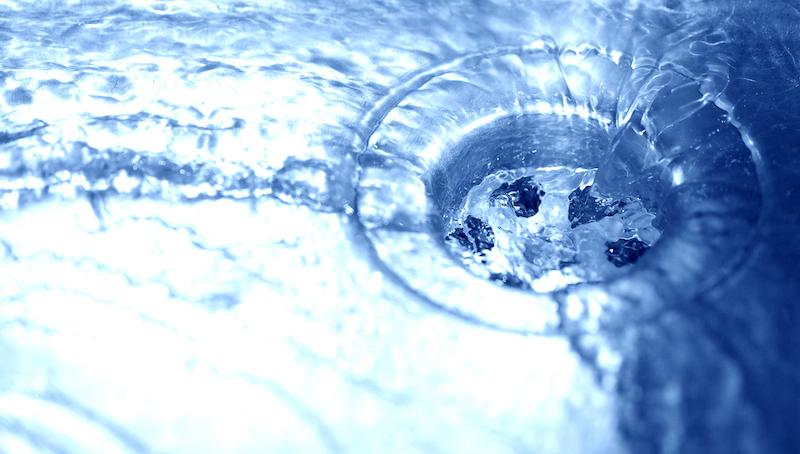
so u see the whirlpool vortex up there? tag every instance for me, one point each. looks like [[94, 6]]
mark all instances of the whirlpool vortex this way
[[514, 186]]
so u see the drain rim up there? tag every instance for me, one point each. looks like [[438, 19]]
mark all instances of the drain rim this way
[[489, 304]]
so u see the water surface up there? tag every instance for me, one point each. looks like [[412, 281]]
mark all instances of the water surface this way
[[223, 226]]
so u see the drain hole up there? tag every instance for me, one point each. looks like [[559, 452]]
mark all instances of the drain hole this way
[[540, 226]]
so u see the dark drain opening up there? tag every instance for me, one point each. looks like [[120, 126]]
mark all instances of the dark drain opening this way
[[519, 207]]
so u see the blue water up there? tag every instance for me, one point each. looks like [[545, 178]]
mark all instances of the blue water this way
[[465, 226]]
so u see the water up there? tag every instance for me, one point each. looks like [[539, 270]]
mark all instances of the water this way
[[550, 226], [233, 226]]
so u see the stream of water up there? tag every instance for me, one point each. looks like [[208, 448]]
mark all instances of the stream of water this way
[[399, 226]]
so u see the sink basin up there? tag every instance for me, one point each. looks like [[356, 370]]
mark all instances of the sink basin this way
[[466, 226]]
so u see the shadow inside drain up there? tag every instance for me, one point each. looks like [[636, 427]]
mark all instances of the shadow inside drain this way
[[520, 207]]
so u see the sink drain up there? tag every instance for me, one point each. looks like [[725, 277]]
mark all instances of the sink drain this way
[[503, 182], [527, 182]]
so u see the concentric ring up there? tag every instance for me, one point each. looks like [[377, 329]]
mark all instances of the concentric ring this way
[[670, 143]]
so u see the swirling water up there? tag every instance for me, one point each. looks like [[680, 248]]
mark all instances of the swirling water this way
[[234, 226]]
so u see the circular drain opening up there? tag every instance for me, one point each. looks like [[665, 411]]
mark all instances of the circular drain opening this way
[[659, 187], [519, 206]]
